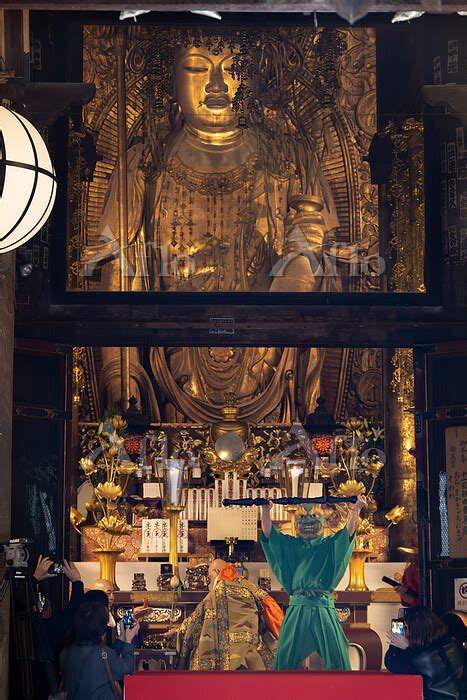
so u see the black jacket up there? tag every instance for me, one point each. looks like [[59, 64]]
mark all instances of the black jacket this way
[[442, 666], [62, 622]]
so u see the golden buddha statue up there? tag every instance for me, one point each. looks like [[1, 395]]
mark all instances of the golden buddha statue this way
[[215, 205]]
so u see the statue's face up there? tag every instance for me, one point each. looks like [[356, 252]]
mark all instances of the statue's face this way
[[205, 89], [308, 526]]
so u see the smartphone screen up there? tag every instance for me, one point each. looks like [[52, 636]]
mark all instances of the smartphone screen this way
[[397, 627], [128, 616], [57, 567]]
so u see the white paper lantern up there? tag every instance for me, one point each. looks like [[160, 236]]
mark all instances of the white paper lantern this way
[[28, 184]]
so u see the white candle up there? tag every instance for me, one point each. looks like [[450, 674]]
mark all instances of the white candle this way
[[174, 482], [295, 473], [196, 469]]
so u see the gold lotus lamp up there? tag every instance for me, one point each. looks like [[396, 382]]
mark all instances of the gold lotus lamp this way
[[76, 518], [351, 487], [396, 514]]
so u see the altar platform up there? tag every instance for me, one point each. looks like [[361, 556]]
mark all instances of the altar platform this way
[[276, 685]]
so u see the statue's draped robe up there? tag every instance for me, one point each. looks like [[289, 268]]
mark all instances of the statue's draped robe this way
[[309, 570], [228, 630], [243, 253]]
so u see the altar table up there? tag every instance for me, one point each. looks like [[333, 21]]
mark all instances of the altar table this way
[[273, 685]]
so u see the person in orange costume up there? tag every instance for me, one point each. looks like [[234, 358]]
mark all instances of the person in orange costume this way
[[272, 612], [409, 589], [235, 627]]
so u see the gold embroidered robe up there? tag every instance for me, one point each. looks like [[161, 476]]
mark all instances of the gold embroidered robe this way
[[226, 632]]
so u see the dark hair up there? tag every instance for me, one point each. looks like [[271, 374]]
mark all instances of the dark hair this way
[[457, 628], [97, 596], [423, 627], [90, 623]]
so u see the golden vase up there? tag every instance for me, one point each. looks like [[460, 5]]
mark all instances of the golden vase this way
[[357, 570], [307, 204], [108, 560]]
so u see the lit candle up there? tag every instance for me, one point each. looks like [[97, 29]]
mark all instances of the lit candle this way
[[174, 481], [196, 469], [295, 473]]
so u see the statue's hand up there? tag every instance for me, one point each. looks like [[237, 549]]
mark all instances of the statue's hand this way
[[304, 231]]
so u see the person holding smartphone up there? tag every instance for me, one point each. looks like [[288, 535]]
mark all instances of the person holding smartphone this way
[[58, 624], [91, 668], [420, 644]]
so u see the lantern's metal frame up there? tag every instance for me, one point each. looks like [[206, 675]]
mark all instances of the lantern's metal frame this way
[[162, 467], [321, 423], [286, 485]]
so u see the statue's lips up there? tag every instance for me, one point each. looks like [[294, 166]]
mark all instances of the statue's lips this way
[[216, 102]]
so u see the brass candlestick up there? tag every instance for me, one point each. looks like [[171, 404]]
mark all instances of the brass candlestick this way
[[174, 515], [231, 542], [292, 510]]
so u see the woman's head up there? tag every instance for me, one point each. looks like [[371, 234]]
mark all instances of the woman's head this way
[[423, 627], [97, 596], [90, 623]]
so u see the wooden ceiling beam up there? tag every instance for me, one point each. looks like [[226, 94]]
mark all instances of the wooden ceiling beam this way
[[288, 6], [226, 326]]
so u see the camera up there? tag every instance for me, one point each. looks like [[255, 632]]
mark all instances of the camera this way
[[57, 567], [397, 627]]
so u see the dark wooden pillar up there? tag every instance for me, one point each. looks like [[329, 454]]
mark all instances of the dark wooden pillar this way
[[7, 292]]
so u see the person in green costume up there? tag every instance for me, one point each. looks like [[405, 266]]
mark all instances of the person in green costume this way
[[309, 567]]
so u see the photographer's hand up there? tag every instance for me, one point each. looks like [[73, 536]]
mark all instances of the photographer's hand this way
[[71, 571], [398, 640], [42, 568]]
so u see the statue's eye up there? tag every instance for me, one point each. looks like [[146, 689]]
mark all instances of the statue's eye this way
[[195, 68]]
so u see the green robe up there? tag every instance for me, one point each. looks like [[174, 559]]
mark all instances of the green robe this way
[[309, 570]]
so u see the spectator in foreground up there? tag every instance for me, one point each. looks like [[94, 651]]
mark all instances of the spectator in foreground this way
[[90, 669], [427, 650], [58, 625]]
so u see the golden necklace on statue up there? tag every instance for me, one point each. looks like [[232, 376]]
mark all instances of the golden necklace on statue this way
[[204, 222]]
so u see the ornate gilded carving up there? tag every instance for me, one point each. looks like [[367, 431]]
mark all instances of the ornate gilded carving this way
[[406, 196], [159, 615], [364, 391], [267, 442], [343, 614], [402, 382], [78, 374]]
